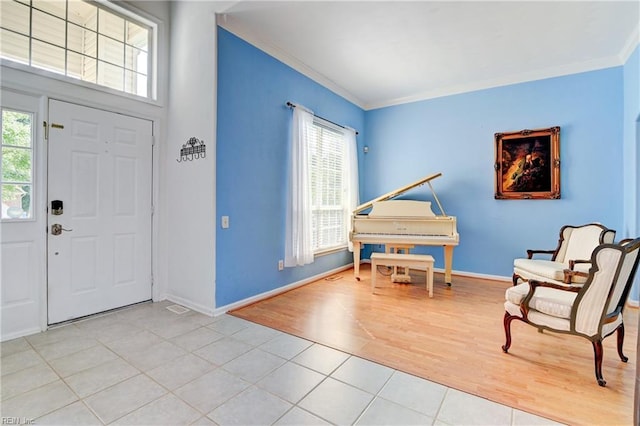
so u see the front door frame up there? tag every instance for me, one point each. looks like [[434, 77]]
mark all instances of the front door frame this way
[[111, 115], [44, 88]]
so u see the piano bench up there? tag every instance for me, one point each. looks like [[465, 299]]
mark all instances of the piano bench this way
[[404, 261]]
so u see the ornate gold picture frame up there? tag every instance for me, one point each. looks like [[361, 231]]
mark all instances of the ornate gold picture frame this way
[[527, 164]]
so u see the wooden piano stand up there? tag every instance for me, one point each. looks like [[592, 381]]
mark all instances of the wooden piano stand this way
[[399, 248]]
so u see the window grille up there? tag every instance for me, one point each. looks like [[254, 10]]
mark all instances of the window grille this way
[[87, 41]]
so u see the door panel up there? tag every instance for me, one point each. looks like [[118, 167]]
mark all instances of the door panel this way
[[100, 168], [22, 240]]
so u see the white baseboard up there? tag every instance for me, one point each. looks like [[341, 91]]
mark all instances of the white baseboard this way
[[475, 275], [206, 310], [21, 333], [241, 303]]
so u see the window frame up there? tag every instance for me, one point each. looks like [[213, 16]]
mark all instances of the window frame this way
[[129, 14], [32, 148], [327, 125]]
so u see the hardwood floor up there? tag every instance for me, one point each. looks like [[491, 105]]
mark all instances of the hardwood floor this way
[[455, 339]]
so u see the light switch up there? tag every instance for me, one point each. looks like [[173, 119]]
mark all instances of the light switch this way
[[225, 222]]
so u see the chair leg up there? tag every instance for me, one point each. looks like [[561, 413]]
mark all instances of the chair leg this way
[[507, 331], [597, 355], [620, 338]]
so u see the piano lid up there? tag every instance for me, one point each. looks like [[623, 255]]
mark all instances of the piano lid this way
[[396, 192]]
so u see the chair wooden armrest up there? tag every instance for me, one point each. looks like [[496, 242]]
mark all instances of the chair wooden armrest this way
[[530, 253], [570, 273], [572, 263], [533, 284]]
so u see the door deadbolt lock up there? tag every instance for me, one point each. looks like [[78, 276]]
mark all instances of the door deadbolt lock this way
[[56, 229], [56, 207]]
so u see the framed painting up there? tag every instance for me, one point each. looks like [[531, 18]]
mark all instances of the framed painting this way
[[527, 164]]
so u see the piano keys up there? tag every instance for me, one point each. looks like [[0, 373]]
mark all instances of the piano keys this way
[[402, 223]]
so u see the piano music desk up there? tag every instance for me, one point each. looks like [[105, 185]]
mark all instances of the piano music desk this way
[[404, 261]]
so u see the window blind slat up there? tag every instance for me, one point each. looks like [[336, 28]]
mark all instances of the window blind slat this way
[[327, 163]]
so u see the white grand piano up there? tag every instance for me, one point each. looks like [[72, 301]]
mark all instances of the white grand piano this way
[[404, 223]]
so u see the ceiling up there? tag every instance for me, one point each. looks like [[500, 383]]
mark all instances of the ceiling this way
[[383, 53]]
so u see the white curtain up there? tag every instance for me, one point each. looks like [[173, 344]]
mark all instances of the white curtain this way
[[351, 178], [298, 248]]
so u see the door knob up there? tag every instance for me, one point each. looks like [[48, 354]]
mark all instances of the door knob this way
[[56, 229]]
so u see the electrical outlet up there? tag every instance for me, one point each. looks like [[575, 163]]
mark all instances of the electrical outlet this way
[[280, 265], [225, 222]]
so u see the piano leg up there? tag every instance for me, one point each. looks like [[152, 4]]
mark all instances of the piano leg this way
[[448, 261], [356, 260]]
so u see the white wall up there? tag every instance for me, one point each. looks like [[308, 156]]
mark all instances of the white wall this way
[[46, 86], [184, 193], [188, 196]]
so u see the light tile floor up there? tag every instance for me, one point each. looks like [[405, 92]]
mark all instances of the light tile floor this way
[[146, 365]]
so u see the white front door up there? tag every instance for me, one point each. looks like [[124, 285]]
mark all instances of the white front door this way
[[99, 211]]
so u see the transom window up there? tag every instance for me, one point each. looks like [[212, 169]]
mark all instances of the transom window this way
[[84, 40], [16, 154]]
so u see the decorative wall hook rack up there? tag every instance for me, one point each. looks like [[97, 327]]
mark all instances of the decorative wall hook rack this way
[[194, 148]]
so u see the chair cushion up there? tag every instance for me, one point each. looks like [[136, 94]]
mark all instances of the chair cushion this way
[[547, 269], [550, 301], [516, 293], [556, 303], [552, 322], [543, 268]]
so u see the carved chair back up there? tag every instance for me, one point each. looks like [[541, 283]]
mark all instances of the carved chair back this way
[[603, 296], [578, 242]]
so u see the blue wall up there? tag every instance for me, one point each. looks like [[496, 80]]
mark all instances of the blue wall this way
[[251, 166], [455, 135]]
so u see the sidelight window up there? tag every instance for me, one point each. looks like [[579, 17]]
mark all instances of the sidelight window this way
[[16, 154]]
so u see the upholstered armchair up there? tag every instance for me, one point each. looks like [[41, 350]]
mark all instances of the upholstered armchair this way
[[569, 262], [592, 310]]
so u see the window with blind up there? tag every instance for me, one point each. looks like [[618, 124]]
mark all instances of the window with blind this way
[[327, 163], [87, 41]]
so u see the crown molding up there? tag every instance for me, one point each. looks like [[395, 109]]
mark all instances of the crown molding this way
[[630, 46], [230, 24], [550, 72]]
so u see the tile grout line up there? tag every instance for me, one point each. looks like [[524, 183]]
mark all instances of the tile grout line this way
[[229, 332]]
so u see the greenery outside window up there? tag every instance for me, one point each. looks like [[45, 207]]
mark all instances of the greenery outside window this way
[[16, 157], [88, 41]]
